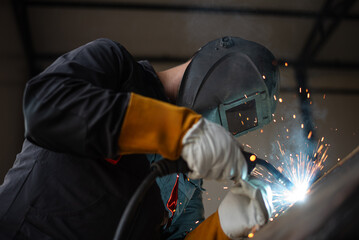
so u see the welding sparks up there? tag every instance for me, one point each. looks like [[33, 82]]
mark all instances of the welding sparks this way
[[301, 169], [248, 146], [310, 134]]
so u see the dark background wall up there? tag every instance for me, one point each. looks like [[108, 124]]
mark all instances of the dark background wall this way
[[13, 75]]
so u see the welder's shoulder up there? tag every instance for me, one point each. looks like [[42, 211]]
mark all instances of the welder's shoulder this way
[[102, 42], [105, 44], [107, 51]]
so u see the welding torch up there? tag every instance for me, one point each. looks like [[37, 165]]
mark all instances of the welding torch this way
[[165, 167], [252, 160]]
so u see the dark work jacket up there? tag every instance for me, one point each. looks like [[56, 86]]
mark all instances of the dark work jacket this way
[[61, 186]]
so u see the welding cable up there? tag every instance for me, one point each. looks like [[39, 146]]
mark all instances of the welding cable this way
[[159, 169]]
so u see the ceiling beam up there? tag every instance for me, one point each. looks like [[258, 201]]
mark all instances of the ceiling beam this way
[[184, 8], [318, 37], [323, 64], [318, 64], [324, 28]]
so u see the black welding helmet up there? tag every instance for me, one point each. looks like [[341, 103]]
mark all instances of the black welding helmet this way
[[233, 82]]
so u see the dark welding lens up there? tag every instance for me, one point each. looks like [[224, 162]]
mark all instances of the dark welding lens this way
[[242, 117]]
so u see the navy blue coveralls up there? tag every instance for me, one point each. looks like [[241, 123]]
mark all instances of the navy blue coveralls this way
[[61, 186]]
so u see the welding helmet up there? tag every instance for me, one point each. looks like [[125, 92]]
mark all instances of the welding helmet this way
[[233, 82]]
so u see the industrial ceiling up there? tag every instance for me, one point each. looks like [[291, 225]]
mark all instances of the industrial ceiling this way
[[304, 35], [321, 32]]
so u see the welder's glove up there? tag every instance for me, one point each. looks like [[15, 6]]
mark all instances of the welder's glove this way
[[152, 126], [248, 204], [211, 152]]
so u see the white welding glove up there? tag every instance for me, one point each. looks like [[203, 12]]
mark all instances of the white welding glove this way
[[211, 152], [248, 204]]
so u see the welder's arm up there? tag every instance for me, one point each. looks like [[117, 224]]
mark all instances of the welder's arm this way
[[77, 104], [246, 206]]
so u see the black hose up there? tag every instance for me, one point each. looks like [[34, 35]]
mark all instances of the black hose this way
[[132, 206], [159, 169]]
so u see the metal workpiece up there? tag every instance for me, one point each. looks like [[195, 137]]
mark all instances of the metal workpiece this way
[[330, 210]]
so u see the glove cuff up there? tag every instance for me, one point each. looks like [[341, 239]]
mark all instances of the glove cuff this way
[[152, 126], [210, 229]]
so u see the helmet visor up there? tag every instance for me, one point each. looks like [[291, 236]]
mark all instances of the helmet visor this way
[[242, 117]]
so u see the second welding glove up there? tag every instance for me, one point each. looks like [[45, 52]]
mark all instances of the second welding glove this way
[[245, 208], [152, 126], [247, 205]]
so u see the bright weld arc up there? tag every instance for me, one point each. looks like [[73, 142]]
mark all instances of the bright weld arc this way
[[299, 169]]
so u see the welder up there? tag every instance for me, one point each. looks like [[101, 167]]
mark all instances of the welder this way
[[94, 121]]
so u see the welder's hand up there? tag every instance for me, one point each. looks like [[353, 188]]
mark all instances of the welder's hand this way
[[248, 204], [211, 152]]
